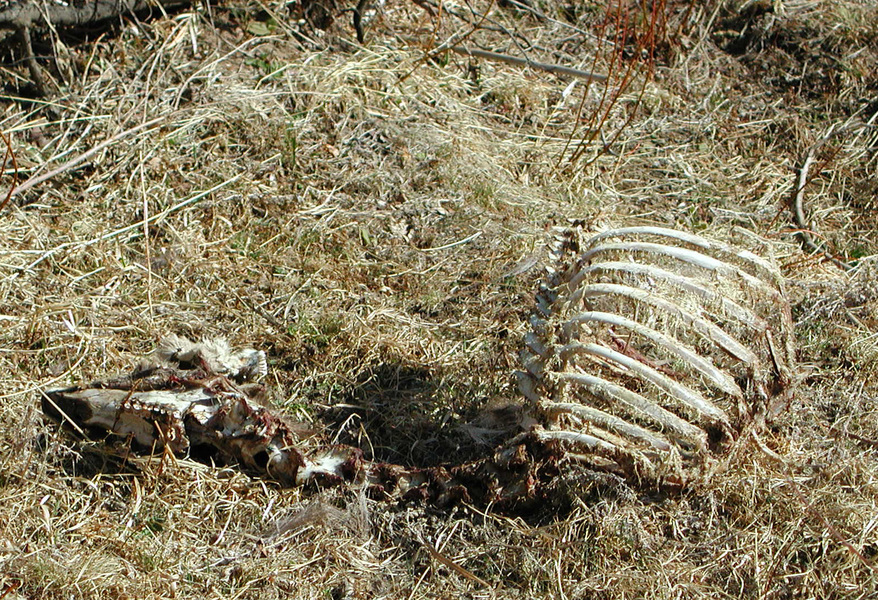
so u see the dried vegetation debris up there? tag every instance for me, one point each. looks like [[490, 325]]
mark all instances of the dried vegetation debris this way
[[789, 45], [837, 319]]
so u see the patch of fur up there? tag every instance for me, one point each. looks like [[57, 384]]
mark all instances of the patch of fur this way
[[215, 355]]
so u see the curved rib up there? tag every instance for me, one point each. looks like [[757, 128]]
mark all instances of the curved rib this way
[[700, 364], [695, 240], [742, 314], [680, 392], [577, 438], [688, 256], [611, 422], [611, 392], [706, 328]]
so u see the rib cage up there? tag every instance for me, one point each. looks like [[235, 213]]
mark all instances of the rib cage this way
[[652, 349]]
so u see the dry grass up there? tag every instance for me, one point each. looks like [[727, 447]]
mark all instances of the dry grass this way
[[374, 233]]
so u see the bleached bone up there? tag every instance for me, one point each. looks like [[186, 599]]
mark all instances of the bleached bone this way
[[684, 394], [181, 406], [685, 255], [658, 342], [170, 408], [611, 422], [637, 404], [701, 364], [744, 315], [696, 240], [704, 327]]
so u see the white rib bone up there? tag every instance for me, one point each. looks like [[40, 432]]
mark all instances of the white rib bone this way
[[611, 422], [684, 394], [581, 439], [695, 240], [702, 309], [611, 392], [733, 309], [703, 365], [688, 256], [707, 329]]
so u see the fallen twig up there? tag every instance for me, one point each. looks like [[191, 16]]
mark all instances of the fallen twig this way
[[23, 15], [804, 233], [8, 155], [446, 45], [442, 559], [524, 62], [849, 434], [32, 66], [359, 12], [38, 179]]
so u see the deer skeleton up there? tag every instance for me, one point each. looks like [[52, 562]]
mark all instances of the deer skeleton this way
[[651, 350]]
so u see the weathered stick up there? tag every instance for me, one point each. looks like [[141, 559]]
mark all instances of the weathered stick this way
[[524, 62], [33, 181], [29, 14]]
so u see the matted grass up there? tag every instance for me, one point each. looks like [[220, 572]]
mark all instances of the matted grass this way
[[376, 222]]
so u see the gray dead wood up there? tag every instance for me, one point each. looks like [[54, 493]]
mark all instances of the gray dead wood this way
[[30, 14]]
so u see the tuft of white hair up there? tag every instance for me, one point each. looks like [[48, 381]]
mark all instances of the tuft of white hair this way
[[215, 356]]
